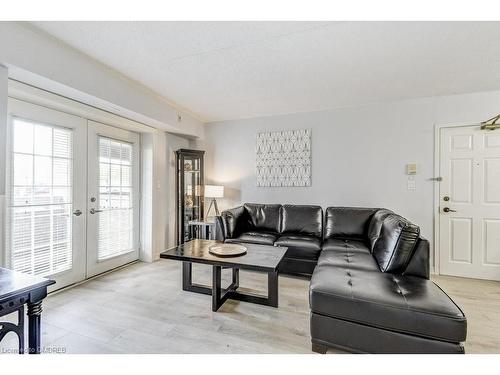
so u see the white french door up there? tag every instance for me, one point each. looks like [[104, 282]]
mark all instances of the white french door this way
[[46, 184], [113, 197], [469, 216], [73, 194]]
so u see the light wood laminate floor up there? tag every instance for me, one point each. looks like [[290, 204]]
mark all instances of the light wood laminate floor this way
[[142, 309]]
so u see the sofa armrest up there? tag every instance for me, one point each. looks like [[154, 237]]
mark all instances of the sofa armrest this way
[[219, 229], [419, 264], [232, 222]]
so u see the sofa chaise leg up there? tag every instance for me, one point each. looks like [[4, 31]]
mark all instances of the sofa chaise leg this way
[[318, 348]]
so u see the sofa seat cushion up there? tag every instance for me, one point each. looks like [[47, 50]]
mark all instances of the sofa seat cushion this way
[[345, 245], [300, 246], [354, 255], [404, 304], [257, 237]]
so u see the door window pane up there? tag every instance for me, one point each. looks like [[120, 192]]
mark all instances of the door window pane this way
[[23, 169], [43, 170], [63, 143], [23, 136], [43, 138], [39, 240], [115, 226]]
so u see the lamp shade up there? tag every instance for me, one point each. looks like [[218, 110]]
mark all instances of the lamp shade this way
[[214, 191]]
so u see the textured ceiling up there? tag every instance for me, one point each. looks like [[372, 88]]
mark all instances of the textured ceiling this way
[[230, 70]]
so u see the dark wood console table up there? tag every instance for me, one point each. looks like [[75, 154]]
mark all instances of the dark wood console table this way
[[16, 290]]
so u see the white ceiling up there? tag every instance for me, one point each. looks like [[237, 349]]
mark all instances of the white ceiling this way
[[231, 70]]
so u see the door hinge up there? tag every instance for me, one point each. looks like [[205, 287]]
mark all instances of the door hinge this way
[[437, 179]]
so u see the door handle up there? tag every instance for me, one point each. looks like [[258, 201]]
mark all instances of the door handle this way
[[446, 209], [93, 211], [77, 212]]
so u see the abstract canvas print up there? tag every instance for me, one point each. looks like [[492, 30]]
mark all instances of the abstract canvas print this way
[[284, 158]]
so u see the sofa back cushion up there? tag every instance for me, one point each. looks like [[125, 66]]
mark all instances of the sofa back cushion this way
[[396, 243], [263, 217], [375, 226], [347, 222], [302, 219]]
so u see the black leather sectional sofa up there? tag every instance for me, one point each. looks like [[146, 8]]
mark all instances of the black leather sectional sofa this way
[[370, 290]]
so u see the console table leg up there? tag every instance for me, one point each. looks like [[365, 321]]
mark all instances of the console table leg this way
[[272, 288], [34, 326]]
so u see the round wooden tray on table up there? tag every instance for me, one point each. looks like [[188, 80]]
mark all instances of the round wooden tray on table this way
[[227, 250]]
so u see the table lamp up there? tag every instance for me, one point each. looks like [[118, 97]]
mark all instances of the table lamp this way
[[213, 191]]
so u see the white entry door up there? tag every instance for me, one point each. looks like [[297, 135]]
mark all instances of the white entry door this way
[[469, 217], [113, 198], [46, 183]]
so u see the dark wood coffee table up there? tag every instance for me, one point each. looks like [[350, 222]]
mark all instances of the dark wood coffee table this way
[[259, 258]]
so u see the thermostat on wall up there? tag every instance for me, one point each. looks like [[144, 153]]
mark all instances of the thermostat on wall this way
[[411, 169]]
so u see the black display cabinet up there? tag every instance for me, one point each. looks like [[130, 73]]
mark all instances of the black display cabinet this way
[[190, 183]]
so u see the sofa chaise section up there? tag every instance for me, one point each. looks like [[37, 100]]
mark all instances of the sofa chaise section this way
[[371, 293]]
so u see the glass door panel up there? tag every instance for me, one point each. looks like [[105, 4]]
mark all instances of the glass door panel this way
[[113, 197], [45, 233]]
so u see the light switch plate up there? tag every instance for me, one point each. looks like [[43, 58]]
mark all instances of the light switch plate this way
[[411, 169]]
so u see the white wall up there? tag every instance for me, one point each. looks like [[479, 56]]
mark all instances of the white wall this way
[[358, 154], [164, 201], [43, 61], [149, 211]]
